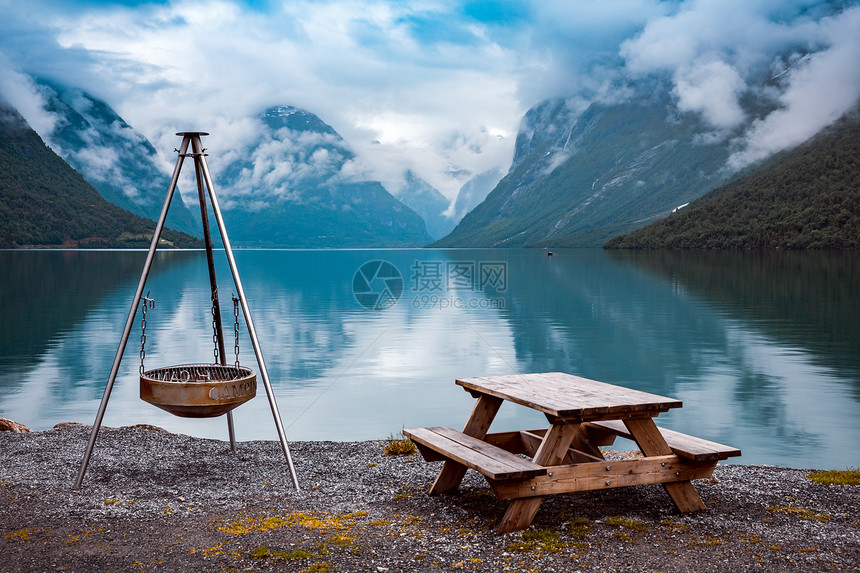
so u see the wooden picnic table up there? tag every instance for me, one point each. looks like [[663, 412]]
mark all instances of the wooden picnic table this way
[[583, 414]]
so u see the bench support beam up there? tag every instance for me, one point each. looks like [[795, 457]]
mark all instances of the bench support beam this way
[[652, 443], [479, 423], [603, 475], [521, 512]]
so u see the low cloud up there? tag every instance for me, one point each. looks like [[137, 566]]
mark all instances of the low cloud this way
[[437, 87], [716, 51], [710, 88], [818, 90], [22, 93]]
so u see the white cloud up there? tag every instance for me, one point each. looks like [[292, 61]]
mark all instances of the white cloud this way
[[19, 90], [714, 50], [192, 65], [418, 84], [711, 88], [820, 89]]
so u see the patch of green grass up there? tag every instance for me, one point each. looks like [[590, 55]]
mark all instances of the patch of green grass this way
[[851, 476], [626, 523], [801, 512], [263, 552], [19, 535], [340, 540], [537, 541], [673, 526], [709, 542], [580, 526], [260, 552], [399, 445]]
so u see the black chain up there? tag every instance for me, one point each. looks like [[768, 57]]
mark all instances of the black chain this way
[[146, 301], [215, 327], [236, 327]]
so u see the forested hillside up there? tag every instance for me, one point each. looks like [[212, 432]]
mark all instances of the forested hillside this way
[[807, 198], [46, 203]]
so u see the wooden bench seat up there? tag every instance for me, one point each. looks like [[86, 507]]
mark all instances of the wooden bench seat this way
[[683, 445], [493, 462]]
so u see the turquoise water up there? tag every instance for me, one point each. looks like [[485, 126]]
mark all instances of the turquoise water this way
[[762, 348]]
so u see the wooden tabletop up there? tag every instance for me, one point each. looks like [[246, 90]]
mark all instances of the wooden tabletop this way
[[571, 397]]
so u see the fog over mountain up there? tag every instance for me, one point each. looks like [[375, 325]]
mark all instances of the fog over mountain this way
[[297, 184], [428, 202], [436, 87], [440, 88], [114, 158]]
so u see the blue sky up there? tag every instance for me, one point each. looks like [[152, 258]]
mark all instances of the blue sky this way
[[435, 86]]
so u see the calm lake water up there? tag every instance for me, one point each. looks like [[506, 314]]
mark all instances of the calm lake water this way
[[763, 348]]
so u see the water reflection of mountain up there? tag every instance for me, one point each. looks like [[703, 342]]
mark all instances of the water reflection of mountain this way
[[299, 308], [586, 313], [47, 292], [805, 300], [48, 295], [752, 365]]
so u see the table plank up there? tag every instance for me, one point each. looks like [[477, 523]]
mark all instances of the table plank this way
[[570, 397], [493, 462]]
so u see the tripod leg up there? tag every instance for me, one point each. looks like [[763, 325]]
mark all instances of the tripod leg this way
[[231, 430], [213, 284], [197, 147], [156, 235]]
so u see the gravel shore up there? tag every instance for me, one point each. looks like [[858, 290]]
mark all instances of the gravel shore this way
[[155, 501]]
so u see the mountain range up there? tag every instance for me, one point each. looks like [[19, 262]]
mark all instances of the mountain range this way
[[290, 187], [578, 176], [296, 186], [44, 202], [808, 197]]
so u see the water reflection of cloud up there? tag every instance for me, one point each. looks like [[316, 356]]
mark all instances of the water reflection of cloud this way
[[342, 372]]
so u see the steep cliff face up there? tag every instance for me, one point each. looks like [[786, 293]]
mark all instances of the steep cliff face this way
[[428, 202], [579, 178]]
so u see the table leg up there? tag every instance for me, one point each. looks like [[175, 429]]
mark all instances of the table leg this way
[[521, 512], [582, 444], [651, 442], [477, 426]]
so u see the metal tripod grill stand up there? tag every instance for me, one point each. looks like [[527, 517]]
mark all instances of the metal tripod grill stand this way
[[201, 170]]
